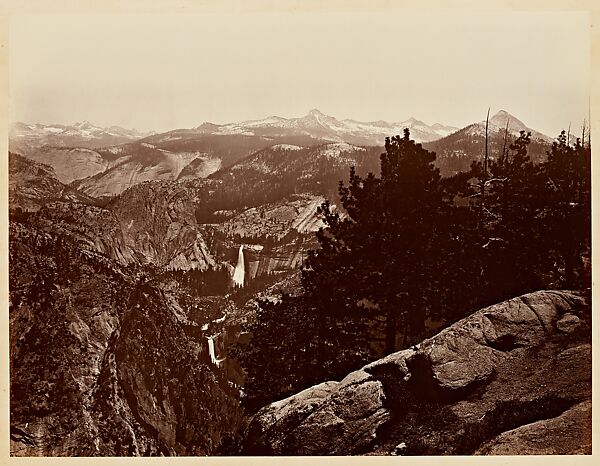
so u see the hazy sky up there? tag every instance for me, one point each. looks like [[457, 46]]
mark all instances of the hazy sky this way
[[158, 72]]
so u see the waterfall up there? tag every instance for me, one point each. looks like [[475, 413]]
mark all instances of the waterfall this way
[[211, 351], [238, 274]]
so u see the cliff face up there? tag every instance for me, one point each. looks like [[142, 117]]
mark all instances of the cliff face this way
[[283, 258], [276, 236], [159, 222], [513, 378], [297, 212], [150, 165], [148, 226], [104, 365]]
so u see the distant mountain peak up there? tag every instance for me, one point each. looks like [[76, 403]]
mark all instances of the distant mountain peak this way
[[503, 118], [412, 121], [315, 112], [499, 122], [207, 125]]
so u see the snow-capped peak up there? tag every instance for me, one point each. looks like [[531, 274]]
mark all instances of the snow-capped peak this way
[[413, 121], [285, 147]]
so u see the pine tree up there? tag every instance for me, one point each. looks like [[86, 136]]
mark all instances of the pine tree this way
[[382, 261], [507, 252], [517, 249], [568, 207]]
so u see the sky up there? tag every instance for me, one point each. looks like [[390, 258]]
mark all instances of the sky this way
[[161, 72]]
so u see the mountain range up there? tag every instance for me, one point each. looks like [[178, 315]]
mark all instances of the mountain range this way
[[26, 137], [106, 161], [172, 185], [319, 125]]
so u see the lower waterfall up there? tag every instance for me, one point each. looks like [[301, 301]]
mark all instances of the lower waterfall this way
[[211, 351]]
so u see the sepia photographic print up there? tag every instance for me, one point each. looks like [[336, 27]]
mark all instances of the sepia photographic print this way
[[282, 229]]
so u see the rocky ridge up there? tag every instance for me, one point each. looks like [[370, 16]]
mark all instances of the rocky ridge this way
[[138, 163], [458, 150], [69, 163], [178, 154]]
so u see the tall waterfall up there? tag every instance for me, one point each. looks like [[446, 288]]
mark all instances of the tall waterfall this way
[[238, 274], [211, 351]]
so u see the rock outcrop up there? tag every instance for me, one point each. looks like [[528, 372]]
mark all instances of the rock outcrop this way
[[148, 225], [512, 378], [547, 437], [296, 213]]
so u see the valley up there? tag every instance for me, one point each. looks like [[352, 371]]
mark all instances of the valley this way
[[263, 231], [138, 263]]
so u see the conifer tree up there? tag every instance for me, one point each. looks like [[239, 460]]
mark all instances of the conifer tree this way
[[405, 246], [517, 251], [383, 261], [568, 207]]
